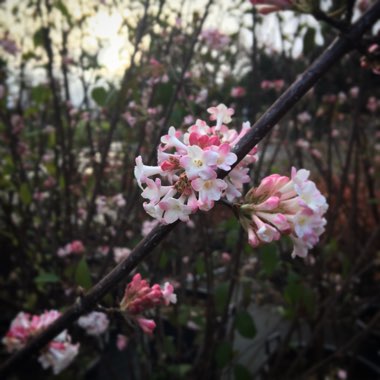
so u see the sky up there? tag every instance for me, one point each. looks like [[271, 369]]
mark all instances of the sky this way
[[105, 33]]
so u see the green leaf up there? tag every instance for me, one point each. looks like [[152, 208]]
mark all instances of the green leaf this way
[[82, 274], [221, 297], [245, 324], [223, 354], [164, 259], [200, 266], [241, 372], [169, 346], [62, 182], [40, 94], [99, 94], [25, 195], [269, 258], [293, 289], [309, 300], [179, 370], [38, 37], [183, 315], [45, 277], [63, 9], [309, 41]]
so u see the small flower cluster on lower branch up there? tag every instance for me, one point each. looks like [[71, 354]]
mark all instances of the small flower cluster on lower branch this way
[[139, 297], [284, 206], [58, 354]]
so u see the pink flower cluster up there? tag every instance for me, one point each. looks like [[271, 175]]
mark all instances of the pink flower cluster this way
[[139, 297], [73, 248], [188, 162], [58, 354], [282, 205]]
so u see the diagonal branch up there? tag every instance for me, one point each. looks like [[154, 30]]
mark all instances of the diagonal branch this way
[[288, 99]]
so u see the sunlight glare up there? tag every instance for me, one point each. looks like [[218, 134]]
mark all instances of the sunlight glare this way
[[115, 55]]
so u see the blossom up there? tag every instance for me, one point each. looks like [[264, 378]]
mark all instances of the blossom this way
[[304, 117], [148, 226], [372, 104], [75, 247], [185, 178], [18, 333], [215, 39], [9, 45], [175, 209], [120, 254], [146, 325], [226, 257], [276, 84], [225, 157], [140, 297], [238, 92], [168, 294], [285, 206], [198, 162], [59, 352], [143, 171], [121, 342], [209, 190], [221, 114], [95, 323]]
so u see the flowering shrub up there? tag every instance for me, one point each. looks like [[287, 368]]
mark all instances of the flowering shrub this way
[[73, 118]]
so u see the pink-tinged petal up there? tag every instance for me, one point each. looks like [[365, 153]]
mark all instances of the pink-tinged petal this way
[[121, 342], [146, 325]]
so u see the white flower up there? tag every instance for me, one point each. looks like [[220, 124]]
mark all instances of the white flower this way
[[142, 172], [95, 323], [168, 293], [198, 162], [120, 254], [59, 354], [171, 141], [209, 190], [175, 209], [221, 114]]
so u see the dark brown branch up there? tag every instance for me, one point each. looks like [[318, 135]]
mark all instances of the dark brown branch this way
[[333, 54]]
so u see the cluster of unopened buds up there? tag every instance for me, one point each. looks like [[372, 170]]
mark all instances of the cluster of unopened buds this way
[[58, 354], [188, 162], [140, 297], [284, 206]]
